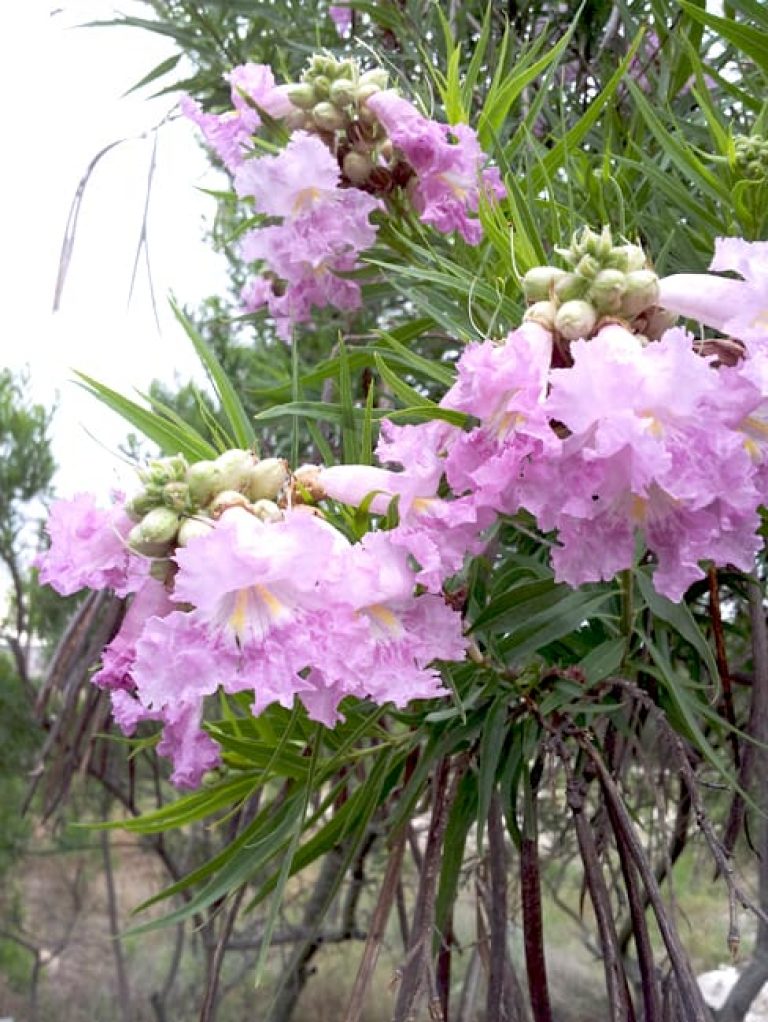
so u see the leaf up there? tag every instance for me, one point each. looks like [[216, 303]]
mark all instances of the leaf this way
[[157, 72], [752, 41]]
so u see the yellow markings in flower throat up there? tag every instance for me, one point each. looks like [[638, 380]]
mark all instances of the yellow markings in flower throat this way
[[306, 197], [385, 617], [240, 615]]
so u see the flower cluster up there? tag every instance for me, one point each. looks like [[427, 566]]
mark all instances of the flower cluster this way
[[604, 439], [353, 148], [247, 591]]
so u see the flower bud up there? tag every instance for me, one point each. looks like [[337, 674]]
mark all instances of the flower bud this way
[[160, 471], [342, 92], [326, 116], [139, 504], [570, 286], [539, 281], [322, 87], [376, 76], [543, 313], [234, 469], [365, 90], [642, 292], [203, 481], [307, 479], [575, 319], [141, 546], [357, 167], [225, 500], [267, 478], [588, 266], [627, 258], [297, 120], [301, 94], [176, 496], [159, 526], [191, 528], [607, 290], [267, 511]]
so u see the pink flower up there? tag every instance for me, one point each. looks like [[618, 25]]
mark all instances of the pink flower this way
[[229, 134], [118, 658], [448, 162], [341, 15], [648, 452], [735, 307], [88, 549], [301, 177]]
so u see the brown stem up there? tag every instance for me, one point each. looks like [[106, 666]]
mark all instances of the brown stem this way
[[533, 926], [497, 914], [722, 659]]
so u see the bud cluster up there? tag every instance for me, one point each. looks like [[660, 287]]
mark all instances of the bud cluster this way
[[179, 501], [602, 280], [750, 157]]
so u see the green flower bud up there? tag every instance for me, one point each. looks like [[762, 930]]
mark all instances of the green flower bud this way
[[627, 258], [139, 504], [297, 120], [160, 471], [159, 526], [267, 511], [191, 528], [176, 496], [267, 478], [322, 87], [225, 500], [570, 286], [346, 69], [327, 117], [543, 313], [539, 282], [575, 319], [357, 167], [376, 76], [203, 480], [234, 469], [642, 292], [342, 92], [365, 90], [588, 266], [301, 94], [607, 290], [307, 482]]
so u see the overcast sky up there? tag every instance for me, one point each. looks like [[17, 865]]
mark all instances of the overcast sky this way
[[62, 89]]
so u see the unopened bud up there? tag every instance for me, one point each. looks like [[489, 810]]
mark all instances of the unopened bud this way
[[203, 481], [267, 511], [322, 87], [160, 471], [140, 504], [365, 90], [342, 92], [539, 281], [607, 290], [326, 116], [176, 496], [575, 319], [588, 266], [642, 292], [159, 526], [225, 500], [307, 479], [234, 469], [297, 120], [267, 478], [376, 76], [570, 286], [357, 167], [543, 313], [191, 528], [627, 258], [301, 94]]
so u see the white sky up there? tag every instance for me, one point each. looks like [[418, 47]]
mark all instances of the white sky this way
[[62, 89]]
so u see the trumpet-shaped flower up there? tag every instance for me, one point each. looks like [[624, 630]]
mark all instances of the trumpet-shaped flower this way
[[88, 549], [735, 307], [448, 162]]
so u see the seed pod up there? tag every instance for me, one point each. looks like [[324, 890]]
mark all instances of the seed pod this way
[[267, 478], [575, 320], [539, 281]]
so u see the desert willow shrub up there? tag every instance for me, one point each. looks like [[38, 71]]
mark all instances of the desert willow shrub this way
[[485, 585]]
